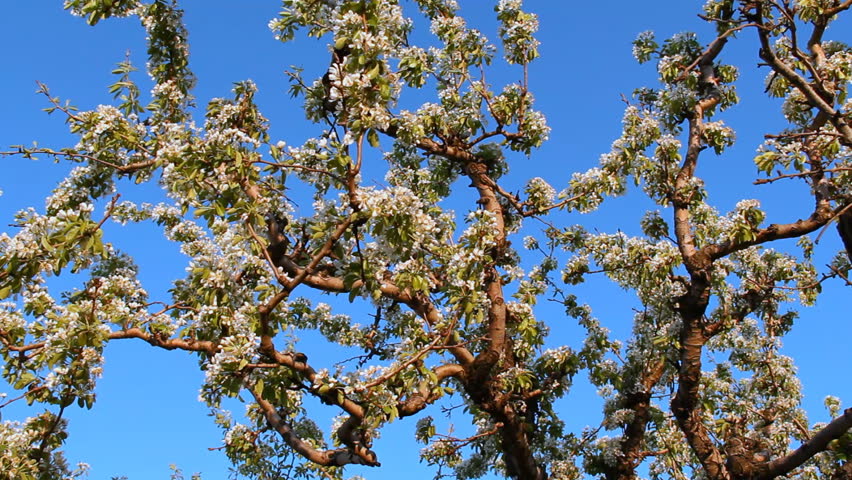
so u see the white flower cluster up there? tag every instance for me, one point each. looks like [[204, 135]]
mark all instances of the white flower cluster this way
[[19, 439], [540, 193], [557, 355], [11, 319], [173, 141], [391, 25], [403, 209], [564, 470], [239, 434], [78, 8], [25, 244], [233, 350], [535, 127], [670, 66], [458, 42], [618, 418], [641, 46], [168, 90], [446, 26], [219, 131], [592, 185], [108, 117], [718, 135], [796, 108], [678, 99], [75, 191], [607, 450], [193, 239], [171, 23], [517, 30], [364, 79], [483, 229]]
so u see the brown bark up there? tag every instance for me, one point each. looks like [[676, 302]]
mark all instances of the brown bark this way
[[187, 344], [685, 403], [818, 443], [844, 228], [480, 383], [844, 472], [357, 454], [693, 304], [480, 371], [815, 92], [634, 432], [699, 262]]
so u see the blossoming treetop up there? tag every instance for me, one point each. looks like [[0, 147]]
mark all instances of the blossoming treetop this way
[[453, 309]]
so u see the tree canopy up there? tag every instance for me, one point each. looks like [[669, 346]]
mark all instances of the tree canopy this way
[[396, 235]]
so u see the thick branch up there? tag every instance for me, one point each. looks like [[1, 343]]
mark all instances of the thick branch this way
[[188, 344], [682, 222], [420, 400], [681, 199], [479, 375], [418, 303], [773, 232], [685, 403], [818, 443], [634, 432], [497, 313], [337, 457], [693, 304]]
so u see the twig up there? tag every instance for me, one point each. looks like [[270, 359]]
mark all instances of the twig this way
[[29, 392], [128, 168], [299, 167], [382, 379], [463, 442], [762, 181]]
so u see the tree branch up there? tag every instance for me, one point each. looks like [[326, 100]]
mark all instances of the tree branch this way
[[337, 457], [814, 98], [188, 344], [835, 429]]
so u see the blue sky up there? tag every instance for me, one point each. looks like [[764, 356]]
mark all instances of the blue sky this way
[[147, 415]]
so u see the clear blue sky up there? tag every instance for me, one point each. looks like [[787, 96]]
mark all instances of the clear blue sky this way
[[147, 415]]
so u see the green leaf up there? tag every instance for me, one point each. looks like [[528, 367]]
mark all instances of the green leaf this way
[[373, 138], [766, 162]]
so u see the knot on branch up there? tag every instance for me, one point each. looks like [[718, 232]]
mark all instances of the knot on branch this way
[[358, 443], [357, 456]]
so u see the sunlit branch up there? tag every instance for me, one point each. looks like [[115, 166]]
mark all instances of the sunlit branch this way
[[188, 344], [30, 392], [712, 50], [337, 457], [819, 442], [814, 98]]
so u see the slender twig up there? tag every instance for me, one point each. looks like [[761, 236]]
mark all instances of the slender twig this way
[[42, 88], [387, 376], [128, 168], [29, 392], [460, 443], [57, 418], [807, 173], [296, 166]]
